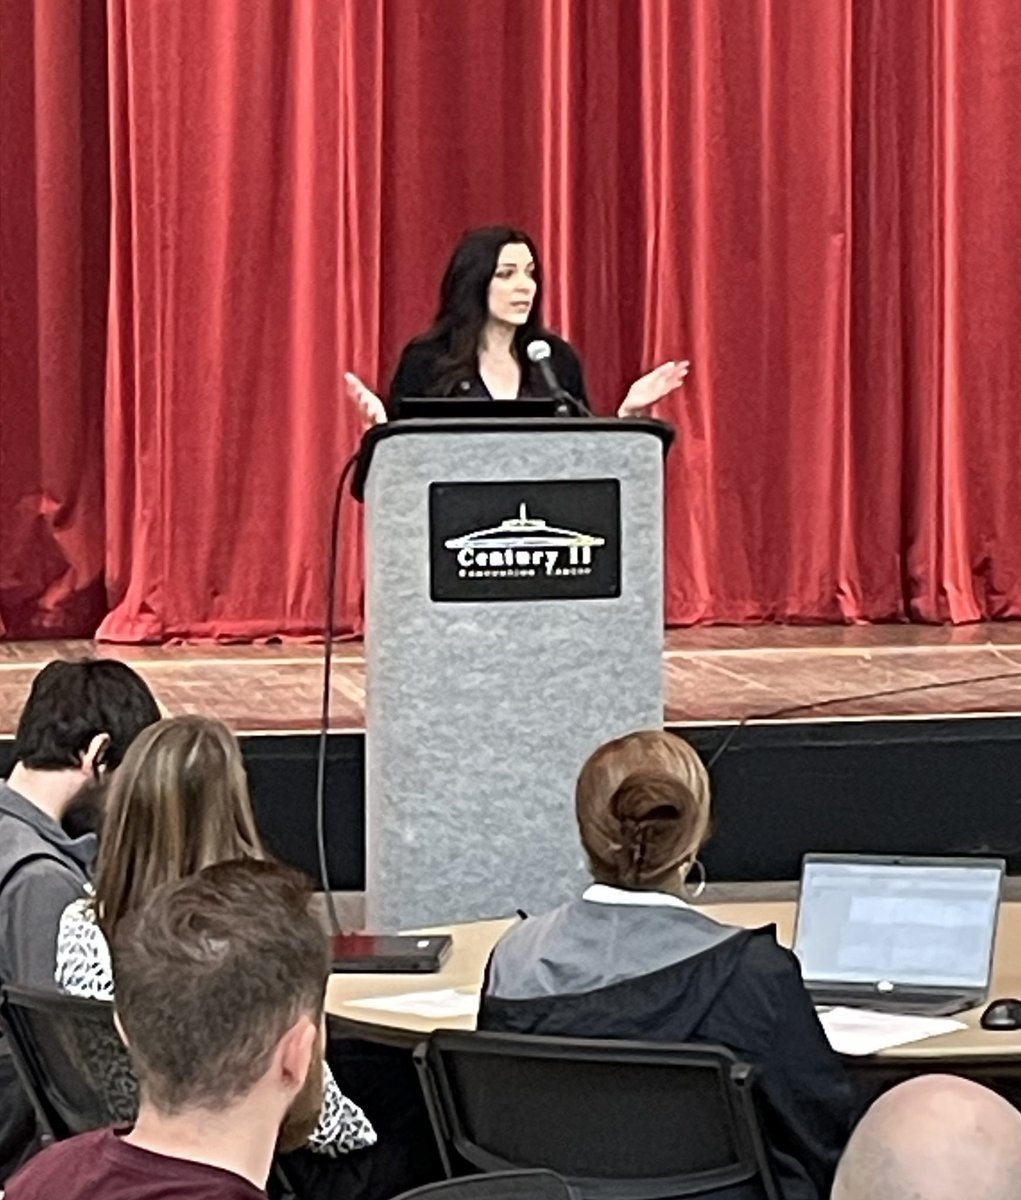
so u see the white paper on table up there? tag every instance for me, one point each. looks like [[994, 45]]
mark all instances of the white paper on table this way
[[444, 1002], [865, 1031]]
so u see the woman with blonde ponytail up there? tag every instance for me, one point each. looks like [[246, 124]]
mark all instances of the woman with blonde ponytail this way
[[633, 959], [179, 802]]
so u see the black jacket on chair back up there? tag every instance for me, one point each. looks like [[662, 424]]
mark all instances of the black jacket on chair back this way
[[744, 992]]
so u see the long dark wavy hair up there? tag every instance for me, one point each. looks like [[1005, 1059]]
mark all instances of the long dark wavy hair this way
[[464, 307]]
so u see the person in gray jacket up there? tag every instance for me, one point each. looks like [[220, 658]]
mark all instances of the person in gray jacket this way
[[79, 719], [632, 958]]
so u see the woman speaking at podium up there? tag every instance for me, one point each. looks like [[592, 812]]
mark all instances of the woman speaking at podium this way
[[488, 340]]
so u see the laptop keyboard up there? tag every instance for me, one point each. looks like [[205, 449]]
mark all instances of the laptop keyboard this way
[[921, 1004]]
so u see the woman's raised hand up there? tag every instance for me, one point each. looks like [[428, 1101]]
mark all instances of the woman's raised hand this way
[[369, 405], [658, 383]]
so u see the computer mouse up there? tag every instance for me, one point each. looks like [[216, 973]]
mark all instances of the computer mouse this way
[[1002, 1015]]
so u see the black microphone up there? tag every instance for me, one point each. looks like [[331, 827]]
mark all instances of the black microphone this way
[[539, 352]]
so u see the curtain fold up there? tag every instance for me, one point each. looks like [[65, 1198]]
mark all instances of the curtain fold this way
[[222, 207], [54, 244], [244, 281]]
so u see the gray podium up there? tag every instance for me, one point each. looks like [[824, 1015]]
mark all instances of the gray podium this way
[[514, 621]]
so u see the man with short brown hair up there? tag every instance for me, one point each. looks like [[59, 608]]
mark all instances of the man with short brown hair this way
[[220, 982]]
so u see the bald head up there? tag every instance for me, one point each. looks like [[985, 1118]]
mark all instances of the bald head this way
[[936, 1137]]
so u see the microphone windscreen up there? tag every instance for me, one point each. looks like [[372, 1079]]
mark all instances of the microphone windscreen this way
[[538, 351]]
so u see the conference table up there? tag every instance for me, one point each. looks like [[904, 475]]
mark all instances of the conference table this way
[[971, 1050]]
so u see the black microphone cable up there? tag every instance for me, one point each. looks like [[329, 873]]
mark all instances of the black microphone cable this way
[[794, 710], [324, 716]]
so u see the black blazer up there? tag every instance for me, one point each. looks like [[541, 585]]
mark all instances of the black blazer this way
[[746, 994], [418, 374]]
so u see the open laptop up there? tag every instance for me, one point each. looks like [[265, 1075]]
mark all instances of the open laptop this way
[[911, 935], [457, 408]]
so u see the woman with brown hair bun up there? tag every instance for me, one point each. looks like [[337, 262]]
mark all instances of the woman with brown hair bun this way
[[632, 959]]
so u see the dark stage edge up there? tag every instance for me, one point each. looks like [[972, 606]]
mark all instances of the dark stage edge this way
[[921, 786], [933, 786]]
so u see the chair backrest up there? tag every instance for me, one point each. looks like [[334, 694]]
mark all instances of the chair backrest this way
[[71, 1060], [500, 1185], [628, 1120]]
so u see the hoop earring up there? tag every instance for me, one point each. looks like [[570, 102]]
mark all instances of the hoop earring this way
[[699, 888]]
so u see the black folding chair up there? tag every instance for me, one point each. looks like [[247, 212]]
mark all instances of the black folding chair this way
[[71, 1060], [74, 1067], [500, 1185], [618, 1120]]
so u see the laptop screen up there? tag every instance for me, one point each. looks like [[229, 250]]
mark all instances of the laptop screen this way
[[922, 923]]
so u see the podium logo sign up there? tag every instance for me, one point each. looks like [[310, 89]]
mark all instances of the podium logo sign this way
[[525, 541]]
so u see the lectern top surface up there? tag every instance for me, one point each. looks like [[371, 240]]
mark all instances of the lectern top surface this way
[[508, 425]]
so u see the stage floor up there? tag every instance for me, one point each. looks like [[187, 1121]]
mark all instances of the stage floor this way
[[713, 675]]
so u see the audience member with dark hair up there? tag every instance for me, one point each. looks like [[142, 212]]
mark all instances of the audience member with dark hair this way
[[179, 803], [78, 721], [633, 959], [936, 1137], [220, 984], [73, 702]]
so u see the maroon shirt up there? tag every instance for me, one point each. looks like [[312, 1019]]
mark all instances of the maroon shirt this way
[[101, 1166]]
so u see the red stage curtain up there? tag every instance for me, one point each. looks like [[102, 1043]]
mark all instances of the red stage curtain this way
[[809, 199], [54, 221]]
